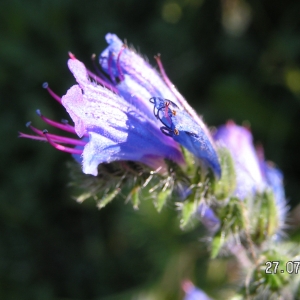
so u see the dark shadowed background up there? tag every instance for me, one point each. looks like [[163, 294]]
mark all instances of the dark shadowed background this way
[[231, 59]]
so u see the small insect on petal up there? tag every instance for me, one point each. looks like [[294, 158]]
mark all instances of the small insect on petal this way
[[183, 129]]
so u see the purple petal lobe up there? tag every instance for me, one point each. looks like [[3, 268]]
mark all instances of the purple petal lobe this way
[[192, 292], [72, 101], [179, 125], [117, 130], [238, 140], [133, 65]]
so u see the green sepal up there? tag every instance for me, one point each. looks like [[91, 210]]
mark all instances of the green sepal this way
[[232, 216], [265, 222], [270, 277], [107, 198], [161, 199], [187, 213], [233, 224], [189, 158], [224, 187], [134, 196], [217, 244]]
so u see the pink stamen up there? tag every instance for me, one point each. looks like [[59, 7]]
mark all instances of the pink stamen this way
[[32, 137], [55, 96], [180, 98], [173, 89], [187, 285], [167, 104], [102, 82], [65, 122], [260, 152], [118, 62], [230, 123], [58, 138], [64, 127], [71, 55], [60, 147]]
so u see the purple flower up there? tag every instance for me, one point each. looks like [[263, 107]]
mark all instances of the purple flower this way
[[111, 128], [192, 292], [139, 81], [253, 173], [185, 130], [238, 140], [114, 118], [117, 129]]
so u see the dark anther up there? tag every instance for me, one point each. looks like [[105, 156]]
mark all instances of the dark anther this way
[[152, 100], [166, 131]]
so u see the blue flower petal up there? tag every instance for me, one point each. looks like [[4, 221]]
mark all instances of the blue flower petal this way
[[192, 292], [238, 140], [117, 130], [179, 125], [196, 294], [119, 62]]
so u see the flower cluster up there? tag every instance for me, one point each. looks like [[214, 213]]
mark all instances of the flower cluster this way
[[113, 116], [253, 175], [136, 132]]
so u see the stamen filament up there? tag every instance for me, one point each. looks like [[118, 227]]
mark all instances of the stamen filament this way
[[58, 138], [66, 123], [60, 147], [55, 96], [179, 97], [64, 127], [32, 137]]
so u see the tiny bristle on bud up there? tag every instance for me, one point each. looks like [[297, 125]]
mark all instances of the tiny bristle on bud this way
[[38, 112], [45, 131], [28, 123], [93, 56], [45, 85]]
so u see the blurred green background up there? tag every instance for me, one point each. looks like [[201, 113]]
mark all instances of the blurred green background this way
[[232, 59]]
